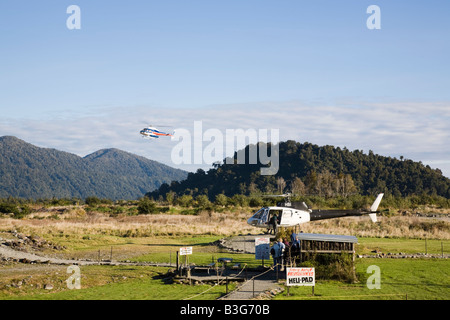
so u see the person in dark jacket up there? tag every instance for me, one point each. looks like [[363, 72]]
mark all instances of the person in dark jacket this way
[[273, 224], [278, 249]]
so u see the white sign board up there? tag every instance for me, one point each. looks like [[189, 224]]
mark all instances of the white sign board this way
[[262, 248], [185, 251], [300, 277]]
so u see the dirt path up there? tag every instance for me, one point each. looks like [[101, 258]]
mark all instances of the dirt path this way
[[27, 257], [9, 253], [243, 244]]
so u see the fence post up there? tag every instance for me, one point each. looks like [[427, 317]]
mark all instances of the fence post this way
[[226, 283], [253, 287]]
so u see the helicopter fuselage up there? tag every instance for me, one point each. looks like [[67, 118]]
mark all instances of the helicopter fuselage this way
[[151, 132], [285, 216], [293, 214]]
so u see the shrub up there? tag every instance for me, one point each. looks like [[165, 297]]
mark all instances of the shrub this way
[[147, 206], [19, 211]]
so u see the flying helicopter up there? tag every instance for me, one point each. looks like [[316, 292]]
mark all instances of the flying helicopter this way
[[291, 214], [151, 132]]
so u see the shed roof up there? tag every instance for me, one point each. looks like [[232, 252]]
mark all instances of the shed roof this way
[[327, 237]]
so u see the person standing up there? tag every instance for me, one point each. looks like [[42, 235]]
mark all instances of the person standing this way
[[273, 224], [277, 253]]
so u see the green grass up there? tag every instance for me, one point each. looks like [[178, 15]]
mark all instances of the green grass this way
[[118, 283], [400, 278], [397, 245], [412, 279]]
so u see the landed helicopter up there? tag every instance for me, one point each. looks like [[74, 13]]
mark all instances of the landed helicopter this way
[[291, 214], [151, 132]]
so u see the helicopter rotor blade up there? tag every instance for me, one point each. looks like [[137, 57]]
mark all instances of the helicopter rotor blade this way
[[156, 125], [277, 195]]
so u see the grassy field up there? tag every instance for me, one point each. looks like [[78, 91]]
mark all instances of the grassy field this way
[[115, 283], [402, 245], [400, 278], [412, 279], [156, 238]]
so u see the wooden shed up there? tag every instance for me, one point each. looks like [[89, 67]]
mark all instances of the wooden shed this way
[[312, 243]]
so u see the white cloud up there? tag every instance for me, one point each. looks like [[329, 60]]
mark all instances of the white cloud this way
[[418, 131]]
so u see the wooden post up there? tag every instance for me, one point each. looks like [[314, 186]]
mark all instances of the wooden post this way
[[110, 259], [245, 269], [253, 287], [188, 274], [353, 261], [217, 272], [226, 283], [178, 270]]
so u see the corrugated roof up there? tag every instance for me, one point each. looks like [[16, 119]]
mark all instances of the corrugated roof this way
[[327, 237]]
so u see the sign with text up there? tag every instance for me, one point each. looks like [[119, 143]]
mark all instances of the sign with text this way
[[262, 248], [185, 251], [300, 277]]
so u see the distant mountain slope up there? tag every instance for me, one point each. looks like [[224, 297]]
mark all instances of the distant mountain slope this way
[[28, 171], [370, 173]]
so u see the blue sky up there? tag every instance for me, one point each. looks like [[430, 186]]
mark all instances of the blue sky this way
[[136, 62]]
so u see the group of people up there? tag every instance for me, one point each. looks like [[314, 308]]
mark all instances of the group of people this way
[[281, 246]]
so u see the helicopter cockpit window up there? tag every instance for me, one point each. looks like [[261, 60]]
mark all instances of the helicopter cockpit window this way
[[259, 213]]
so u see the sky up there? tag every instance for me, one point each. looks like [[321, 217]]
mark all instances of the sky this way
[[311, 69]]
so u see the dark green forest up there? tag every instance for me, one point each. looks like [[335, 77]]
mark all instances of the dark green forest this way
[[31, 172], [308, 169]]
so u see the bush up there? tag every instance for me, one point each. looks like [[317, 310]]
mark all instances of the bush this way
[[331, 266], [203, 201], [147, 206], [94, 201], [221, 200], [19, 211], [185, 201], [8, 208]]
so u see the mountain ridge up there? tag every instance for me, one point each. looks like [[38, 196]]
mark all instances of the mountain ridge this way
[[28, 171], [318, 170]]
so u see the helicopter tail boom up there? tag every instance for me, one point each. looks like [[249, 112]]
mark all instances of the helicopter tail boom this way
[[329, 214]]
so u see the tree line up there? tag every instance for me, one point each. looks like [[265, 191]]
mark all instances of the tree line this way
[[307, 169], [188, 204]]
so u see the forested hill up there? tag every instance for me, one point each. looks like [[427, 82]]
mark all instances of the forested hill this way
[[27, 171], [305, 168]]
